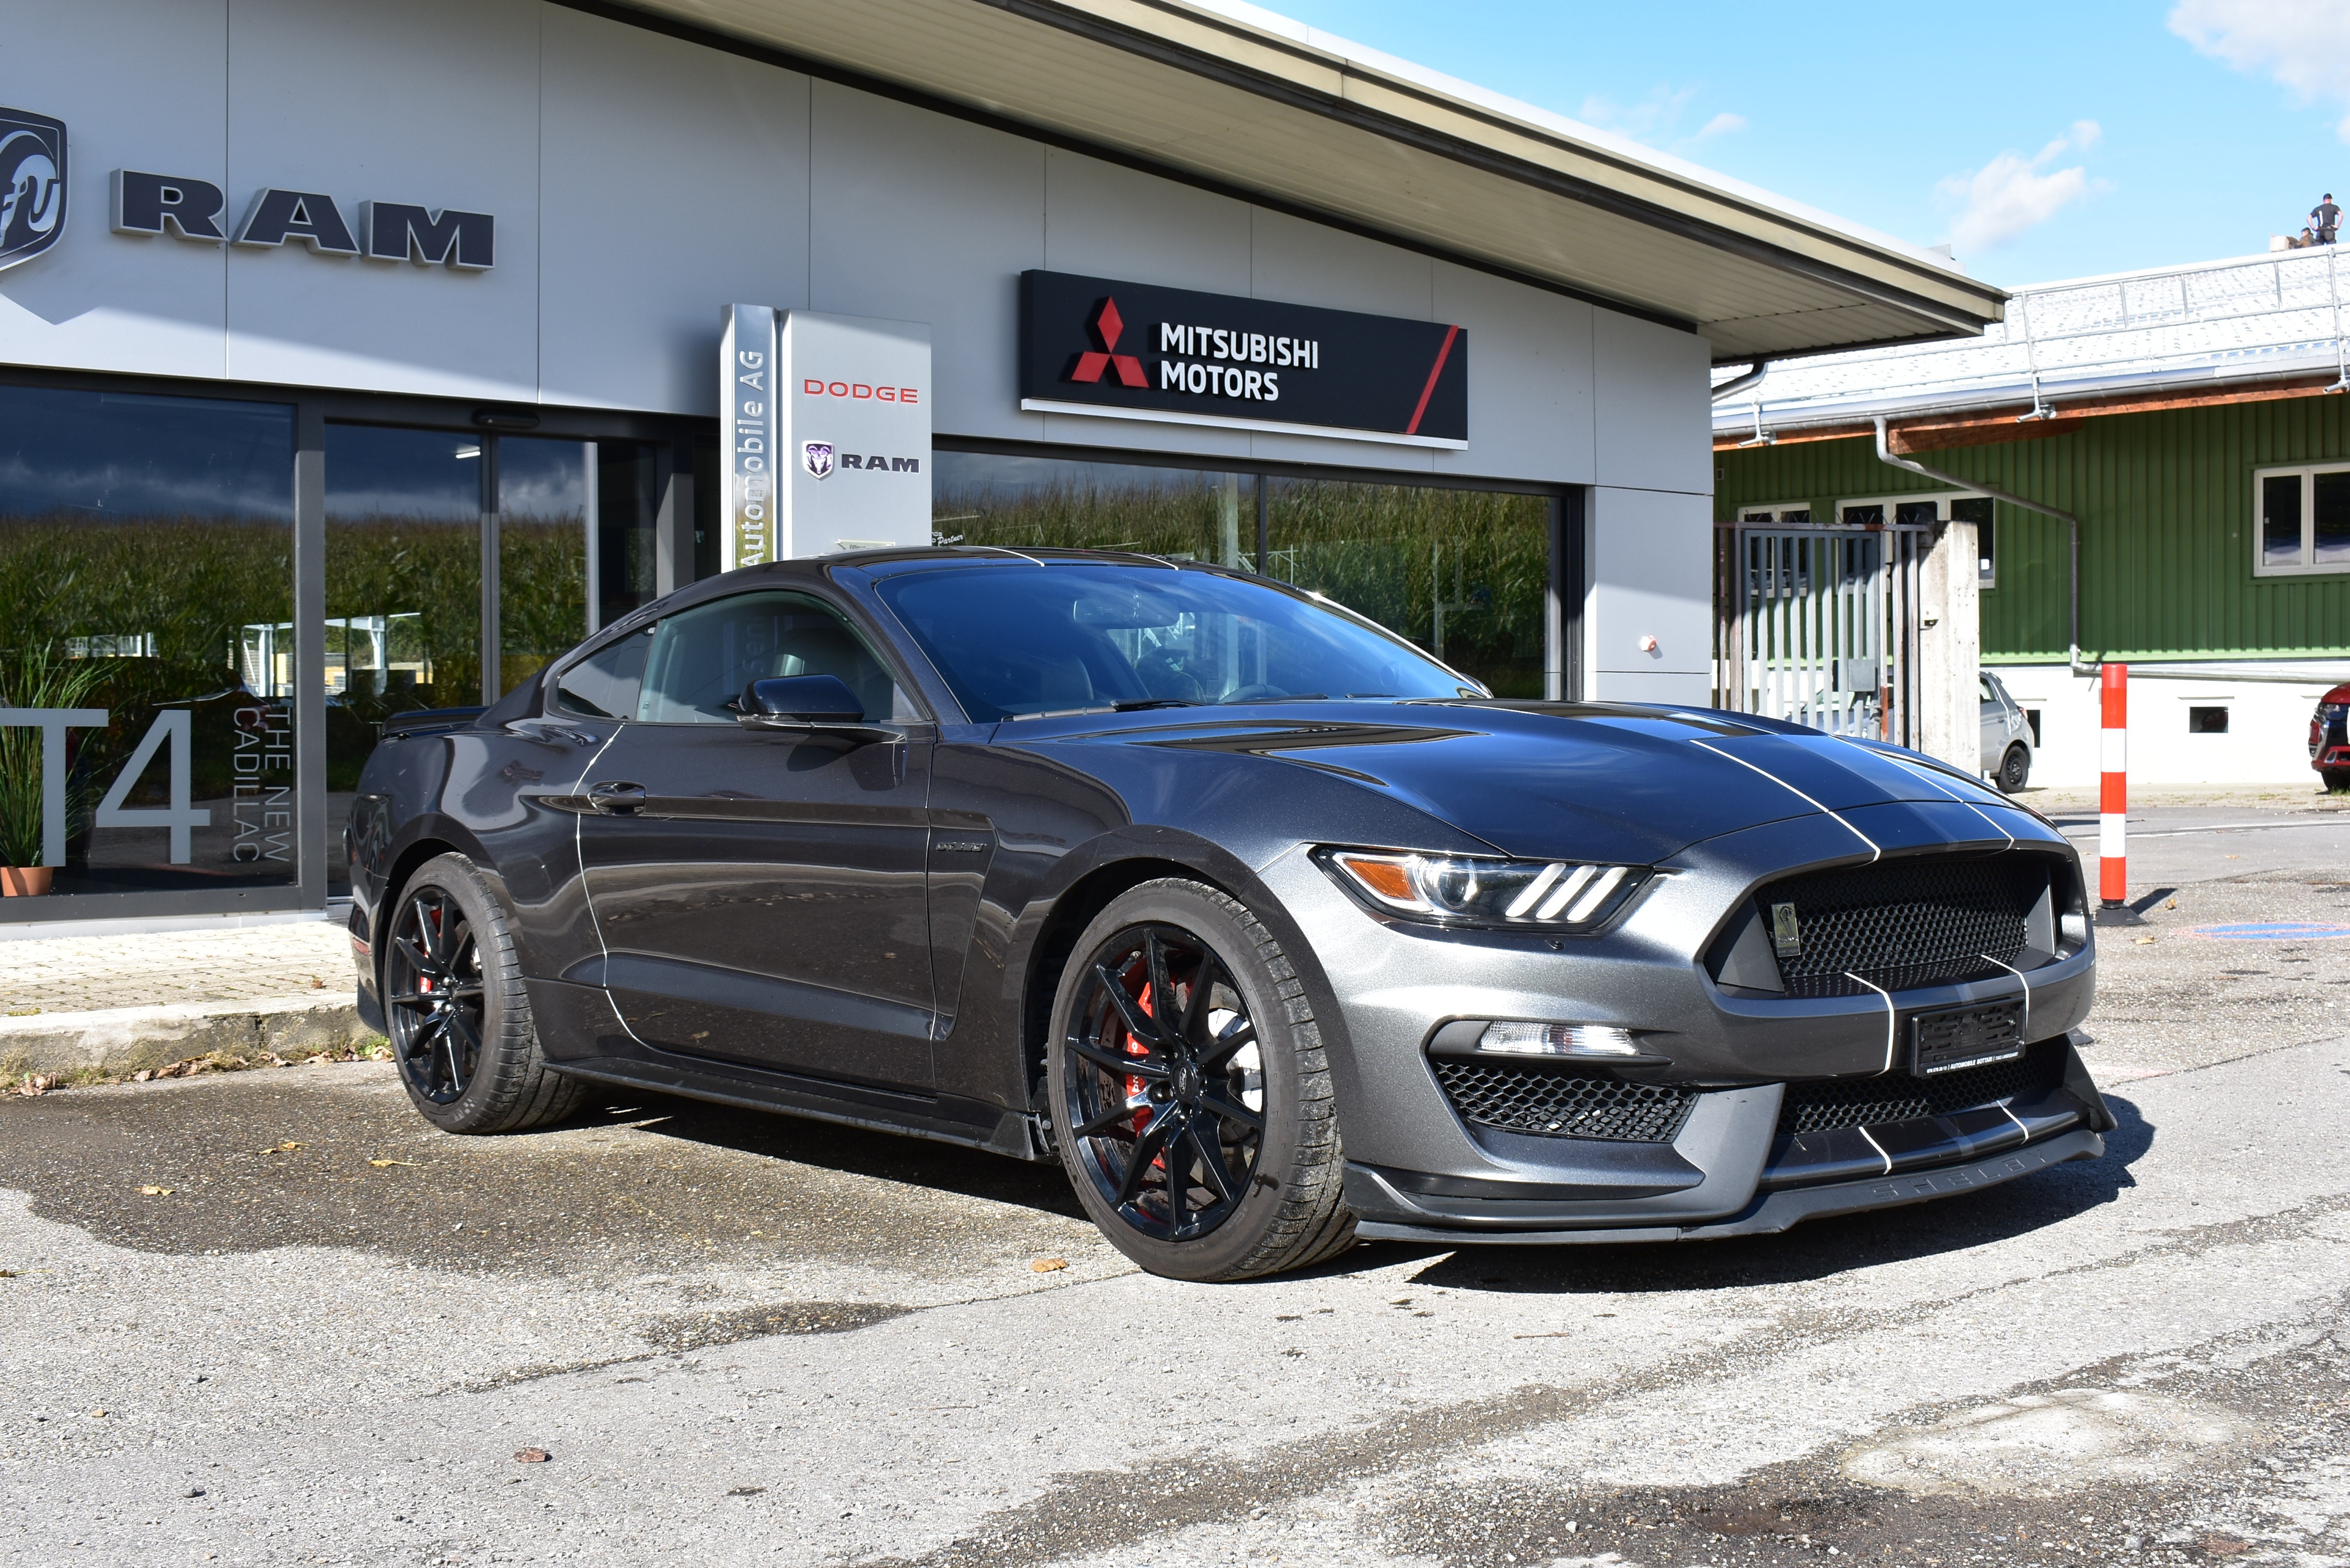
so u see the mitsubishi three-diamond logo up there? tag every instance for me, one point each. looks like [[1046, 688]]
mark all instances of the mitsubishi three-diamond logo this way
[[32, 184], [1092, 364]]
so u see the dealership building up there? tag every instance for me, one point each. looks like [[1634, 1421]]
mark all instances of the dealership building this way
[[364, 357]]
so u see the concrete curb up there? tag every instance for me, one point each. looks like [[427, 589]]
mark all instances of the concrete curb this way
[[118, 1040]]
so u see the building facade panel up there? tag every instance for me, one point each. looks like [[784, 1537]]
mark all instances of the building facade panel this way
[[651, 147], [917, 216], [1648, 620], [364, 103], [1653, 421], [1529, 377], [138, 85]]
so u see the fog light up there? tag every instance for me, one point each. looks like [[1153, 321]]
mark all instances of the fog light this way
[[1556, 1040]]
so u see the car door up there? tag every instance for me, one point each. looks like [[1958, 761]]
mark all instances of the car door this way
[[759, 893]]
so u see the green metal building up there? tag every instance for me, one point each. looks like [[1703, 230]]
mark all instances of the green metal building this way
[[2190, 420]]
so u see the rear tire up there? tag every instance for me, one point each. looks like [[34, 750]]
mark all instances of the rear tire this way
[[459, 1018], [1227, 1109], [2014, 770]]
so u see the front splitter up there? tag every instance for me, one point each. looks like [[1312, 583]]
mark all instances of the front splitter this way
[[1774, 1212]]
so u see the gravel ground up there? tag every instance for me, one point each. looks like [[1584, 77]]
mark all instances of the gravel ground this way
[[743, 1338]]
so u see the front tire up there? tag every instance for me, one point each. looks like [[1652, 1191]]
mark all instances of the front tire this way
[[2337, 780], [2015, 769], [459, 1019], [1191, 1091]]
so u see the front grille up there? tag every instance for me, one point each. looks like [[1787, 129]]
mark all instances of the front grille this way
[[1561, 1102], [1906, 923], [1825, 1105]]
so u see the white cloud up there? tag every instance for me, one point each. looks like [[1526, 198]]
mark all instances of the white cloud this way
[[2304, 44], [2013, 193], [1653, 114], [1656, 119]]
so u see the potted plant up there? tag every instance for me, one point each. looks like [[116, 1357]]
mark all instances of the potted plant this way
[[33, 678]]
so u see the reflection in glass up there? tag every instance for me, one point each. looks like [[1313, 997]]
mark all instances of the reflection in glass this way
[[403, 587], [1462, 573], [138, 536], [2281, 520], [628, 508], [2330, 519], [576, 524], [542, 509], [984, 498]]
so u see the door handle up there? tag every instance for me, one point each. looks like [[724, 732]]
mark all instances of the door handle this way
[[613, 798]]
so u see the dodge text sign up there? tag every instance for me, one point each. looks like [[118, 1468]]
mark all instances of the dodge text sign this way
[[1099, 345]]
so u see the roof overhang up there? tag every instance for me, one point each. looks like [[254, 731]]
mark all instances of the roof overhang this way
[[1224, 95]]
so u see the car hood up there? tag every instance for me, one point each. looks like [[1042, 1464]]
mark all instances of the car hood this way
[[1595, 781]]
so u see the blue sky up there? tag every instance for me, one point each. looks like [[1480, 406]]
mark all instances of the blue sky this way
[[2045, 140]]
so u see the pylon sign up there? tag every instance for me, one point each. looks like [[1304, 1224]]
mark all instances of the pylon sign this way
[[828, 421]]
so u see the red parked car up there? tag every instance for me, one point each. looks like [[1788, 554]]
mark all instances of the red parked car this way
[[2329, 747]]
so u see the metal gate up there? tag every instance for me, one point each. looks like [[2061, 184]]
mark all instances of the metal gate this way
[[1817, 626]]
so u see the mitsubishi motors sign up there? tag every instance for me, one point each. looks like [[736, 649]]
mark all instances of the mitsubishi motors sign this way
[[826, 424], [1130, 350]]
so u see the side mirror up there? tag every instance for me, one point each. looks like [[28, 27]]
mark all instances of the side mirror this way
[[800, 701]]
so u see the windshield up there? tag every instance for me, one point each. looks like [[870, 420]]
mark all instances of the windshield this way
[[1078, 635]]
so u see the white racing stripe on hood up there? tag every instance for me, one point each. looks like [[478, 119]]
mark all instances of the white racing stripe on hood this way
[[1875, 854], [1928, 774]]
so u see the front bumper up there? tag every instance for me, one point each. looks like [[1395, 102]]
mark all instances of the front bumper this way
[[2057, 1114], [1424, 1163]]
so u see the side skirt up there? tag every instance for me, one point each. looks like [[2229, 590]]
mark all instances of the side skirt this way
[[943, 1118]]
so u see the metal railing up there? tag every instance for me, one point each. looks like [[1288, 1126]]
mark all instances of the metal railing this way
[[2277, 314]]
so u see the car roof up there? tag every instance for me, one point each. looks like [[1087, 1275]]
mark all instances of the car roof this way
[[891, 562]]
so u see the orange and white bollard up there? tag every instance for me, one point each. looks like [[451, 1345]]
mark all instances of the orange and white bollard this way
[[2113, 788]]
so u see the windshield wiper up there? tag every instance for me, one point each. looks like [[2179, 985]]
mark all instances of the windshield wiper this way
[[1156, 702]]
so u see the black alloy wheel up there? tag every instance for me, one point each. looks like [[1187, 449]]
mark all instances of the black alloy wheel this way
[[1191, 1096], [2015, 769], [432, 995], [457, 1011], [1165, 1083]]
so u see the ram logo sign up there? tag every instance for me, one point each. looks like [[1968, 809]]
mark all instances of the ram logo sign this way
[[32, 184]]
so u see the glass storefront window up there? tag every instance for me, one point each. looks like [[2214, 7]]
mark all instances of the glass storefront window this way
[[146, 560], [1185, 513], [1462, 573], [576, 522], [403, 587], [543, 512]]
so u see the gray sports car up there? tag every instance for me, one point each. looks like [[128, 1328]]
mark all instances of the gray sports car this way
[[1275, 931]]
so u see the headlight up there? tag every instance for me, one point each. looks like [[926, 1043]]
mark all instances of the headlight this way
[[1464, 890]]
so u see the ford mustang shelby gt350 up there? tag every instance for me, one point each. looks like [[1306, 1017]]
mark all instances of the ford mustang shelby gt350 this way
[[1274, 930]]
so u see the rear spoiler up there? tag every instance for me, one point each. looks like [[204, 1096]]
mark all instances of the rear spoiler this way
[[418, 721]]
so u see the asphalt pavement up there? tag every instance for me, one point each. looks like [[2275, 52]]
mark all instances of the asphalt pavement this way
[[273, 1317]]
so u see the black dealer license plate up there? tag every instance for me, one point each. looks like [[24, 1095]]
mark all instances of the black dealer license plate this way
[[1957, 1037]]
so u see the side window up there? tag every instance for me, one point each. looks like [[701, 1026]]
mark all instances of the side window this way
[[701, 658], [605, 684]]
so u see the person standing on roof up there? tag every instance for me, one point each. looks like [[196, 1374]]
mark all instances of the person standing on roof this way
[[2325, 218]]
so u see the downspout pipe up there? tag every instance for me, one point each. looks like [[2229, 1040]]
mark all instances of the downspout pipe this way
[[2073, 654], [1738, 384]]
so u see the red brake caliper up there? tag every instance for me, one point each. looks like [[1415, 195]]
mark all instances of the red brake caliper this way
[[1135, 1086]]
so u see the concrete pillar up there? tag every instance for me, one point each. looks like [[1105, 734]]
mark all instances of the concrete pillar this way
[[1950, 650]]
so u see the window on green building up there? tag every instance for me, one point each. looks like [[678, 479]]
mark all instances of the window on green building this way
[[2304, 520]]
